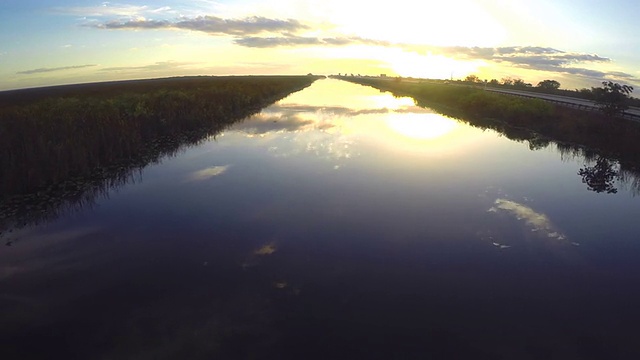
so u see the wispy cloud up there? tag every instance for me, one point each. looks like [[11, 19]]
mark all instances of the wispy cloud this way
[[538, 58], [292, 40], [208, 173], [46, 70], [262, 124], [525, 57], [263, 32], [209, 24], [536, 221], [158, 66], [108, 9]]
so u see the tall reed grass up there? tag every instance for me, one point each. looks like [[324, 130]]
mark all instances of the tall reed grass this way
[[615, 138], [49, 136], [589, 135]]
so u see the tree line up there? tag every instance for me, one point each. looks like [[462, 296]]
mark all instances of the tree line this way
[[612, 98]]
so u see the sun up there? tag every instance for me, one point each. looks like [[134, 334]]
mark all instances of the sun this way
[[421, 126], [430, 66]]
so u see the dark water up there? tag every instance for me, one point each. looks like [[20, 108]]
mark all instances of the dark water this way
[[340, 223]]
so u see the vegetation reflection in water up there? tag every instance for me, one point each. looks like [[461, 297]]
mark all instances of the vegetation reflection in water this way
[[70, 145], [313, 223], [395, 123], [417, 129]]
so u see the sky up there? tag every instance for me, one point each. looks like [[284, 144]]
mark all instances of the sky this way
[[579, 43]]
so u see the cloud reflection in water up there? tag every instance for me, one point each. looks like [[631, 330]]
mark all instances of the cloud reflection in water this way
[[207, 173], [538, 222]]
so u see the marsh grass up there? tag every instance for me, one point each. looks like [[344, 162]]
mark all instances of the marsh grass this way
[[64, 147], [47, 139], [613, 136], [539, 123]]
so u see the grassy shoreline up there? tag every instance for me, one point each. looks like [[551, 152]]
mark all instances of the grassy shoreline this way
[[64, 148], [49, 136], [612, 137]]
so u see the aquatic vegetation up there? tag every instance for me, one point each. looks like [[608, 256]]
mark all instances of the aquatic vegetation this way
[[71, 132], [64, 147], [476, 106], [524, 119]]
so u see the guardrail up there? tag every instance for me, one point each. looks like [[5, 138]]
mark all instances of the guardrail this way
[[575, 105]]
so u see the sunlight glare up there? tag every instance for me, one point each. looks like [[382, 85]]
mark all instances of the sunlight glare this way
[[421, 126]]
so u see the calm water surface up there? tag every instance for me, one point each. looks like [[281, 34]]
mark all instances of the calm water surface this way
[[340, 223]]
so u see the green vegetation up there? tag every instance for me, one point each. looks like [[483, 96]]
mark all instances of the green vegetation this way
[[526, 119], [54, 134], [467, 100], [617, 93], [549, 85], [613, 98]]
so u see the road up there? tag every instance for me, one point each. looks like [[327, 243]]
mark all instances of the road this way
[[632, 112]]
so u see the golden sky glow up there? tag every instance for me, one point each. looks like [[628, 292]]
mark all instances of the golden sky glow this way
[[54, 42], [349, 114]]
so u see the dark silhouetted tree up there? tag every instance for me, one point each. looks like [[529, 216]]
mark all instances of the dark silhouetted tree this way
[[472, 79], [519, 83], [601, 177], [549, 85], [585, 93], [613, 98], [507, 81], [538, 143]]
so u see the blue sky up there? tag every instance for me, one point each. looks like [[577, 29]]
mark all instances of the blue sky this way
[[579, 42]]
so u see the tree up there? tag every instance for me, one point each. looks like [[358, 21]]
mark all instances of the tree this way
[[601, 177], [549, 85], [519, 83], [612, 99], [507, 81], [494, 82], [472, 79], [585, 93]]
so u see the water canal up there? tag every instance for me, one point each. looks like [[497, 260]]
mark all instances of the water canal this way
[[339, 223]]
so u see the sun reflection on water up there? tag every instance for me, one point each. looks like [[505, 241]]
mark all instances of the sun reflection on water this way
[[339, 121], [421, 126]]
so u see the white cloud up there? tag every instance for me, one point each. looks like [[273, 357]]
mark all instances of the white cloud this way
[[537, 222], [208, 173], [46, 70], [106, 9]]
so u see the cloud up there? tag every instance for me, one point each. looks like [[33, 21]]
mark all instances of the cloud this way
[[208, 24], [526, 57], [262, 32], [292, 40], [46, 70], [287, 118], [536, 58], [158, 66], [250, 25], [349, 112], [208, 173], [538, 222], [132, 24], [106, 9], [262, 124]]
